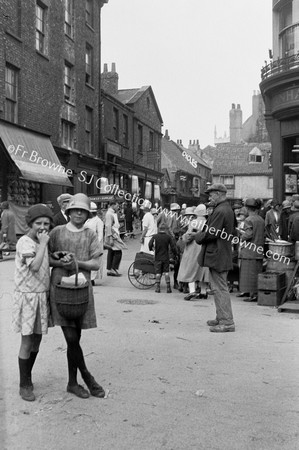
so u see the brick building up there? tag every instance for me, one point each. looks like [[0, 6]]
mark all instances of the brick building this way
[[131, 129], [58, 130], [49, 91]]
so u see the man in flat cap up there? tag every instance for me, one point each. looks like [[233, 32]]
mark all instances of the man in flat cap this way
[[216, 253], [61, 218]]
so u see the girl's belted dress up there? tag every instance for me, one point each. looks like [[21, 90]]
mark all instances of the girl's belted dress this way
[[84, 244]]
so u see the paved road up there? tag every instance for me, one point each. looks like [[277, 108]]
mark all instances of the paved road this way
[[172, 384]]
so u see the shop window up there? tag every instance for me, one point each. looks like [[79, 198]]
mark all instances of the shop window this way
[[40, 27], [88, 130], [89, 64], [68, 134], [89, 12], [11, 94]]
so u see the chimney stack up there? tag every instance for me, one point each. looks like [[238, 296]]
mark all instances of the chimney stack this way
[[109, 80], [235, 124], [166, 135]]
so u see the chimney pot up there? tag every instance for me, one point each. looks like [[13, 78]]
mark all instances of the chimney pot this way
[[105, 67], [233, 106], [238, 106], [113, 67]]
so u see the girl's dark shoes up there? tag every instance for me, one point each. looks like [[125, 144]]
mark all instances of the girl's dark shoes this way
[[78, 390], [94, 388], [26, 392]]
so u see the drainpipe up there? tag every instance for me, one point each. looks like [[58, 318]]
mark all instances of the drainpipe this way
[[101, 4]]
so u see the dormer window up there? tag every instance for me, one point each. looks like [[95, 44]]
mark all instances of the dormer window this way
[[256, 156]]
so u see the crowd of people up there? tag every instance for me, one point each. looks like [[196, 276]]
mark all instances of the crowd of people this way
[[203, 245]]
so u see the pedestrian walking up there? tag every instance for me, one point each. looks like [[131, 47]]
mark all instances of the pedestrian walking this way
[[97, 225], [68, 243], [129, 217], [251, 250], [216, 253], [32, 281], [149, 226], [162, 243], [190, 271], [113, 241]]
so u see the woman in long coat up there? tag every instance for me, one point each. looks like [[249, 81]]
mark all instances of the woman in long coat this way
[[190, 271], [251, 250], [69, 242]]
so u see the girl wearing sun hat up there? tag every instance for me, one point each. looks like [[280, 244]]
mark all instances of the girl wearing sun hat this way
[[69, 242]]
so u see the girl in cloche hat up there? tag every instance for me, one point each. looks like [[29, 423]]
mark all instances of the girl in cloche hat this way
[[32, 281]]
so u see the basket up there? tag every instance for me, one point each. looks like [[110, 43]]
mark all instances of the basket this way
[[72, 301]]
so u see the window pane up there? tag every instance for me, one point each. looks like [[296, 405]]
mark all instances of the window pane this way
[[89, 12]]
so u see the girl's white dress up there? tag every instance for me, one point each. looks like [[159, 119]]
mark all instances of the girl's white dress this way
[[30, 304]]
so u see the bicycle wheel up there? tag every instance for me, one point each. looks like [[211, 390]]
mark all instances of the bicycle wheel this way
[[138, 277]]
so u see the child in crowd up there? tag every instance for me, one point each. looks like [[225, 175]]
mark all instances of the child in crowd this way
[[162, 242], [32, 280]]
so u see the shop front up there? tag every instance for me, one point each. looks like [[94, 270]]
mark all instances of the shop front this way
[[281, 96], [29, 166]]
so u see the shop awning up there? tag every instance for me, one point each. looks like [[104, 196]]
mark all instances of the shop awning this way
[[34, 155]]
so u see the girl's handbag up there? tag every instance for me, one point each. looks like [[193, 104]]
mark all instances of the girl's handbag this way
[[72, 301]]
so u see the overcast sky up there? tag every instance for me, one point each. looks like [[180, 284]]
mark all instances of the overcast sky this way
[[199, 56]]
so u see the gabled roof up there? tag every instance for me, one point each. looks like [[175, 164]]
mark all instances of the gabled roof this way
[[197, 157], [173, 160], [233, 159], [131, 96]]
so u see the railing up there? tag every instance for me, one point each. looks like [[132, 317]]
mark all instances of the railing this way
[[280, 65]]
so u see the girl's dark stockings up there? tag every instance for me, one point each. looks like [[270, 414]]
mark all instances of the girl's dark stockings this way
[[75, 356]]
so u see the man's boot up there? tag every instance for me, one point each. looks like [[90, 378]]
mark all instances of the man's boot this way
[[157, 288], [168, 289]]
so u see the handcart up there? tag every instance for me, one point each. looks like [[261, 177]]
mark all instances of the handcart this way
[[141, 272]]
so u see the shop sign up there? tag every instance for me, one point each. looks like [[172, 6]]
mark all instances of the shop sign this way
[[101, 198], [113, 149], [285, 97]]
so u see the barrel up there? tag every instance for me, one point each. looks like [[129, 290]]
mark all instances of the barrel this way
[[281, 248], [278, 266]]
